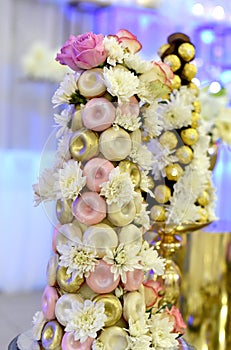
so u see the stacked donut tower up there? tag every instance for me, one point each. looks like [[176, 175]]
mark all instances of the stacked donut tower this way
[[183, 191], [97, 294]]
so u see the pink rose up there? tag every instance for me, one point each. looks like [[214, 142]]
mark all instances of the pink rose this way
[[128, 40], [84, 51], [164, 72], [176, 317]]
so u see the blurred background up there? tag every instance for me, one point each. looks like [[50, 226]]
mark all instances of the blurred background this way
[[31, 33]]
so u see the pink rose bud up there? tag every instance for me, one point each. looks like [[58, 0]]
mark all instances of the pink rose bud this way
[[84, 51], [128, 40], [176, 317]]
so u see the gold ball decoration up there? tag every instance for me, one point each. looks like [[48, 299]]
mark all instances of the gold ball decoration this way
[[186, 51], [113, 308], [173, 171], [84, 145], [203, 215], [76, 122], [64, 211], [169, 139], [162, 194], [162, 49], [176, 82], [203, 199], [126, 166], [184, 154], [66, 281], [197, 106], [189, 136], [173, 61], [189, 71], [157, 213], [195, 120], [52, 336]]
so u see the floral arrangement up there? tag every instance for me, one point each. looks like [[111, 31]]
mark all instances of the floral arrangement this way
[[216, 113], [117, 126]]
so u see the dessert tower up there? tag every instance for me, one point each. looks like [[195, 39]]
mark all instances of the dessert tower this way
[[105, 168]]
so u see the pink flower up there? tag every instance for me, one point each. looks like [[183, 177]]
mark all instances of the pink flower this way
[[164, 72], [176, 317], [128, 40], [84, 51]]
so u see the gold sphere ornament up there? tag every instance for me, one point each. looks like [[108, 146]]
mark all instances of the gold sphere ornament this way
[[169, 139], [113, 308], [52, 336], [84, 145], [176, 82], [189, 71], [173, 61], [194, 87], [64, 211], [66, 282], [184, 154], [203, 215], [173, 171], [189, 136], [203, 199], [197, 106], [162, 194], [162, 49], [126, 166], [187, 51], [157, 213], [195, 120]]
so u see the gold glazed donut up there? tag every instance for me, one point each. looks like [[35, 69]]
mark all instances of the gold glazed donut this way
[[84, 144], [114, 338], [121, 216], [113, 308], [126, 166], [66, 281], [52, 336], [64, 211]]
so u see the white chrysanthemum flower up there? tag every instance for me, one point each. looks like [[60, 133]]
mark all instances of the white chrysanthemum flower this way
[[119, 188], [62, 153], [120, 82], [114, 49], [162, 157], [45, 189], [177, 112], [122, 260], [71, 179], [161, 331], [79, 260], [153, 120], [86, 319], [127, 121], [119, 291], [142, 216], [142, 156], [63, 121], [38, 323], [139, 343], [138, 330], [67, 87], [97, 345], [136, 63], [150, 260]]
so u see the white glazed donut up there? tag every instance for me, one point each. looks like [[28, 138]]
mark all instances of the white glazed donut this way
[[51, 270], [131, 236], [121, 216], [91, 83], [136, 138], [97, 171], [98, 114], [114, 338], [64, 305], [134, 305], [72, 231], [69, 343], [63, 211], [115, 144], [101, 237]]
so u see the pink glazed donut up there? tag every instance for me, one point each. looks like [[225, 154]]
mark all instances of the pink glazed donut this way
[[90, 208], [97, 171], [101, 280], [98, 114], [134, 280], [69, 343], [49, 299]]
